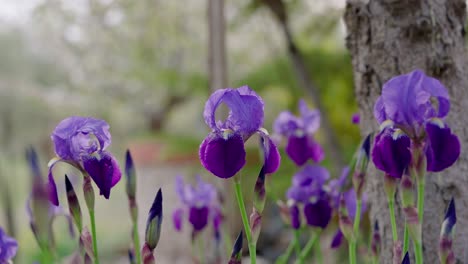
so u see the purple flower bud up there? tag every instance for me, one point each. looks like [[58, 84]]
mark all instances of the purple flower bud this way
[[131, 256], [236, 255], [446, 254], [356, 118], [376, 241], [337, 239], [391, 152], [450, 219], [295, 216], [8, 247], [259, 192], [406, 259], [147, 254], [255, 225], [362, 161], [153, 224], [33, 160], [73, 204], [130, 174]]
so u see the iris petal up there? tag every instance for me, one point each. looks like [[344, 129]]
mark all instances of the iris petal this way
[[443, 148], [177, 218], [318, 214], [53, 195], [198, 217], [301, 149], [104, 171], [222, 157], [391, 155], [337, 239]]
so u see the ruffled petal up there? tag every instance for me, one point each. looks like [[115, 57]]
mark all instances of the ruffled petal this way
[[391, 153], [286, 124], [310, 118], [443, 147], [318, 214], [198, 217], [245, 110], [104, 171], [301, 149], [223, 157]]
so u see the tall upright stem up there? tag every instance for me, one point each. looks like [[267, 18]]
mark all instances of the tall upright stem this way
[[308, 247], [353, 242], [391, 207], [94, 234], [245, 220]]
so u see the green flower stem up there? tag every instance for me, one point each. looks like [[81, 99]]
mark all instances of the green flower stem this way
[[421, 187], [353, 242], [308, 247], [418, 252], [297, 245], [391, 207], [94, 233], [405, 238], [136, 242], [283, 259], [245, 220], [318, 253]]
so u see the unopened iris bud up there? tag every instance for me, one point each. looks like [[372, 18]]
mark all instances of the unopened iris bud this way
[[345, 222], [407, 191], [131, 256], [236, 255], [88, 192], [259, 192], [153, 224], [130, 174], [73, 204], [446, 254], [255, 225], [295, 215], [362, 161], [376, 241], [40, 212], [406, 259], [147, 254]]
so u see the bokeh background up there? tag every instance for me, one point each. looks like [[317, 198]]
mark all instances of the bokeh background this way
[[144, 67]]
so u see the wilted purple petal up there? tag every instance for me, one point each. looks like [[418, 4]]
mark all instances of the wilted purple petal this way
[[104, 171], [318, 214], [222, 157], [391, 153], [443, 148], [177, 218], [198, 217], [337, 239], [246, 110], [301, 149], [8, 247], [77, 136]]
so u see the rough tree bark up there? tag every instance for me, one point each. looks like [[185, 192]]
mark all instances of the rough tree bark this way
[[391, 37]]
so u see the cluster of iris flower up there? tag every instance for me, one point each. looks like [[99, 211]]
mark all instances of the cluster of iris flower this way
[[413, 138]]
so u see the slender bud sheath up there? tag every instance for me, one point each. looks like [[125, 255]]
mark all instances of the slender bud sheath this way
[[73, 204], [236, 255]]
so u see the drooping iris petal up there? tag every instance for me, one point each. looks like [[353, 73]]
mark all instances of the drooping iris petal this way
[[412, 98], [391, 155], [104, 171], [76, 135], [295, 216], [245, 110], [318, 214], [301, 149], [223, 157], [177, 218], [52, 189], [443, 147], [270, 153], [337, 239], [198, 217]]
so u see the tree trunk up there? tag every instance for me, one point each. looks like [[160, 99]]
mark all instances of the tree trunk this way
[[391, 37]]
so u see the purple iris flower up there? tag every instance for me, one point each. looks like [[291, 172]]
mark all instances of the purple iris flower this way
[[82, 142], [308, 190], [415, 105], [299, 131], [200, 205], [8, 247], [222, 152]]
